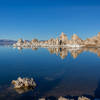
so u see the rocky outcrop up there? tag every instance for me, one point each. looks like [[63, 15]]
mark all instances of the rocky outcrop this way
[[98, 36], [23, 83], [19, 43], [83, 98], [93, 41], [75, 41], [62, 98], [75, 37], [65, 98], [34, 41], [51, 41], [63, 39], [42, 99], [57, 41]]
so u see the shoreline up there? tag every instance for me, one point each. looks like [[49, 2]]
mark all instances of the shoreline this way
[[56, 46]]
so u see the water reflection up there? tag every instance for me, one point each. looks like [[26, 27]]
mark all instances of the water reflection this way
[[23, 90], [54, 77], [97, 91], [63, 52]]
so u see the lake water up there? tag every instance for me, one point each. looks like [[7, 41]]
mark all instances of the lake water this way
[[57, 72]]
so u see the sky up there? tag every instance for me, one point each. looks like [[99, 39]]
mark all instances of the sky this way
[[45, 19]]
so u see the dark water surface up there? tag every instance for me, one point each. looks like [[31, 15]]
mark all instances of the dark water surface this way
[[57, 72]]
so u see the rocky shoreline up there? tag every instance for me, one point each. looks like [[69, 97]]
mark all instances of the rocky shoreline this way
[[61, 41], [66, 98]]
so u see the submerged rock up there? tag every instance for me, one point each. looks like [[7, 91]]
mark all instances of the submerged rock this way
[[23, 90], [83, 98], [42, 99], [23, 83], [62, 98]]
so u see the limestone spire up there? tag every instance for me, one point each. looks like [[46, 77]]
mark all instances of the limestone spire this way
[[63, 37], [98, 35], [75, 37], [20, 41]]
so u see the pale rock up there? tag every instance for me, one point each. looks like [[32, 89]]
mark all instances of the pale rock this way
[[83, 98], [42, 99], [63, 39], [62, 98], [20, 41], [98, 36], [76, 40], [75, 37], [23, 82]]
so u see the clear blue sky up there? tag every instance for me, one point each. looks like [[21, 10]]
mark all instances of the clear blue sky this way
[[41, 19]]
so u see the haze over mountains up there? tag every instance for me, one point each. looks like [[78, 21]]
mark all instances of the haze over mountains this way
[[7, 42]]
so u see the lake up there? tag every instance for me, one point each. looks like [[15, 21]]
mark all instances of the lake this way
[[57, 72]]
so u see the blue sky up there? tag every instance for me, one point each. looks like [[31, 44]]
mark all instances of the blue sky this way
[[41, 19]]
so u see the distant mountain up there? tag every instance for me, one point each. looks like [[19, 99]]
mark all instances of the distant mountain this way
[[7, 42]]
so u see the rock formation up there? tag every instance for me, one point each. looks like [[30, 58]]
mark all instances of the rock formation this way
[[98, 36], [75, 40], [23, 83], [51, 41], [62, 98], [57, 41], [42, 99], [75, 37], [66, 98], [25, 41], [19, 42], [93, 41], [83, 98], [61, 41], [34, 40]]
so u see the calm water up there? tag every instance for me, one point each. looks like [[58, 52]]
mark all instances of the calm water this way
[[57, 72]]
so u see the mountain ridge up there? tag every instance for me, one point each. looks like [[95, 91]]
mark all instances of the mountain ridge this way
[[7, 42]]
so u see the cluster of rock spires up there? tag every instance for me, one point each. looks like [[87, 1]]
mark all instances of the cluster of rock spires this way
[[75, 41], [24, 83], [63, 98]]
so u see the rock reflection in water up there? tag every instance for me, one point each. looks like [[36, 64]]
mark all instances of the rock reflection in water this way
[[63, 52], [23, 90], [71, 79]]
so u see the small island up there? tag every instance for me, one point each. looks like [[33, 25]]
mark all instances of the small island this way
[[61, 41]]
